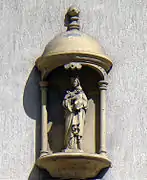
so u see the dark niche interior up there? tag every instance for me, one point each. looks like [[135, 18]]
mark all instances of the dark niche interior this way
[[59, 83]]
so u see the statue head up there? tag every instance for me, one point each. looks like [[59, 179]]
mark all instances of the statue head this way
[[75, 82]]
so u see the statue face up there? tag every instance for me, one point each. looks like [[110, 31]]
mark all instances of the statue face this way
[[74, 82]]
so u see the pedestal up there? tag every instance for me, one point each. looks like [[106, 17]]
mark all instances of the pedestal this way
[[73, 165]]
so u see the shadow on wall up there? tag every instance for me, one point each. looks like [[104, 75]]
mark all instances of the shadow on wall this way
[[32, 107]]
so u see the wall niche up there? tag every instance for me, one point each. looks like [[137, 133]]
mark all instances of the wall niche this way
[[73, 94]]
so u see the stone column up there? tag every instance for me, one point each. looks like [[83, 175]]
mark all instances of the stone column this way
[[103, 87], [44, 118]]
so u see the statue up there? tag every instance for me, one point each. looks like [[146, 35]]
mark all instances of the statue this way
[[75, 103]]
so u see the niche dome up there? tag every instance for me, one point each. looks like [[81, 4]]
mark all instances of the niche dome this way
[[72, 46]]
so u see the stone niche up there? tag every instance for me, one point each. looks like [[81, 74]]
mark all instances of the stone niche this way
[[73, 91]]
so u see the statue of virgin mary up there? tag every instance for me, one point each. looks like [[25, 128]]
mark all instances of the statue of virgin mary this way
[[75, 103]]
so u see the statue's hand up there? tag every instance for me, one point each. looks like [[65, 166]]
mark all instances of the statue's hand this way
[[78, 104]]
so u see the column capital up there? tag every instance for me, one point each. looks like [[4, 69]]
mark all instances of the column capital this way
[[43, 84], [44, 90], [102, 85]]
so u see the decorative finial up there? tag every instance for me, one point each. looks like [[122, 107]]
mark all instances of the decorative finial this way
[[73, 18]]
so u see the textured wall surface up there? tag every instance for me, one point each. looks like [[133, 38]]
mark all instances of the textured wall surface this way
[[25, 29]]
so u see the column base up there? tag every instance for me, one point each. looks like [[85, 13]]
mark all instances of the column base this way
[[43, 153]]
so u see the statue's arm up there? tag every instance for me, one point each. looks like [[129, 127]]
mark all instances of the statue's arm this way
[[85, 101], [67, 102]]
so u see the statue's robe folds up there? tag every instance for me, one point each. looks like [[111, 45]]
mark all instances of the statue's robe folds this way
[[75, 103]]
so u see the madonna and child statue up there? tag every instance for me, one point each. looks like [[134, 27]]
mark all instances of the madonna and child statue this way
[[75, 104]]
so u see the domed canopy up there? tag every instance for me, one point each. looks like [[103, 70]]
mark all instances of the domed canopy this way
[[73, 46]]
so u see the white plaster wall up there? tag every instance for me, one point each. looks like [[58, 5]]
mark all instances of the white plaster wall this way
[[26, 26]]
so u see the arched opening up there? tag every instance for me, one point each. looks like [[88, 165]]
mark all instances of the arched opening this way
[[59, 83]]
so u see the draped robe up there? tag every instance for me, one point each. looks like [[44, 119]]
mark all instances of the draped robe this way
[[75, 104]]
